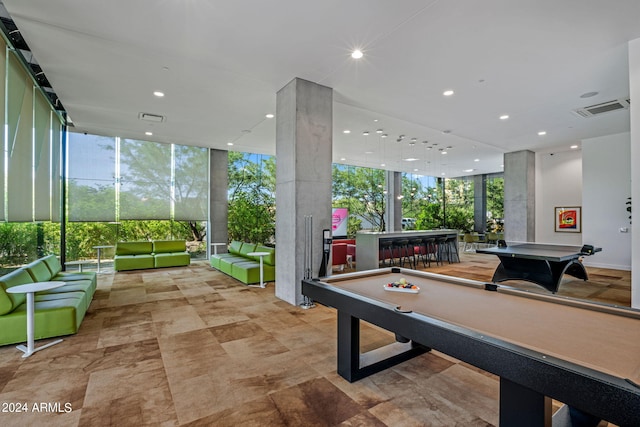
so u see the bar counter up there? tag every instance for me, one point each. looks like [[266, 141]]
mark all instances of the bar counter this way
[[368, 243]]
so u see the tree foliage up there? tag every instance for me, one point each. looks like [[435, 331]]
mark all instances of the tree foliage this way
[[252, 201], [361, 190]]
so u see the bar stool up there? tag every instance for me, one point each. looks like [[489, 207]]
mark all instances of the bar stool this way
[[416, 248], [401, 248], [452, 249], [386, 252], [430, 250], [442, 249]]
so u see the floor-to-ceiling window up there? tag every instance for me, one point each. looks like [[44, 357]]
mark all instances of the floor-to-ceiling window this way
[[252, 197], [421, 202], [362, 191], [495, 203]]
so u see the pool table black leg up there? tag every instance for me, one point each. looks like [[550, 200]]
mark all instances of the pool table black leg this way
[[348, 346], [523, 407], [352, 365]]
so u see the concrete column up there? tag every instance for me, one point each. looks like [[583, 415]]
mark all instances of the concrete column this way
[[480, 203], [519, 196], [304, 130], [634, 89], [218, 202], [393, 211]]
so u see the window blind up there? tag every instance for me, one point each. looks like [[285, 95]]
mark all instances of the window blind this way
[[91, 190], [191, 183], [145, 180], [19, 140], [42, 172]]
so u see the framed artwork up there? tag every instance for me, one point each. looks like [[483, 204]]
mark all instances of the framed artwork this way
[[569, 219]]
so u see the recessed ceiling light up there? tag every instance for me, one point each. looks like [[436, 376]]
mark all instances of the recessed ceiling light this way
[[410, 159], [476, 160], [573, 147], [384, 135], [346, 131], [504, 117], [443, 152], [368, 152], [378, 130], [415, 170], [414, 139], [443, 174], [375, 120], [447, 92], [269, 116], [148, 133], [229, 143], [542, 133], [357, 54], [365, 133], [342, 159], [382, 164], [158, 94], [468, 170]]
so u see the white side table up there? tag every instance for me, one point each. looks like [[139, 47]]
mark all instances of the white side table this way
[[215, 247], [261, 255], [99, 249], [29, 289]]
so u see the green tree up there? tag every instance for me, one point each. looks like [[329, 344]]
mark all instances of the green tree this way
[[18, 243], [361, 190], [415, 198], [252, 202], [495, 197]]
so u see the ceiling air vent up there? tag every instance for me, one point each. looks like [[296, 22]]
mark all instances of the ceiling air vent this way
[[156, 118], [605, 107]]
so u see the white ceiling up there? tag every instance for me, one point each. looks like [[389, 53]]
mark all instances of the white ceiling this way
[[220, 64]]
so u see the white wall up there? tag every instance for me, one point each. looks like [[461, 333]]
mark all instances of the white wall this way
[[606, 179], [598, 179], [558, 184]]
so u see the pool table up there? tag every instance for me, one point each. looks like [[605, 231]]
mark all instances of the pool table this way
[[584, 354]]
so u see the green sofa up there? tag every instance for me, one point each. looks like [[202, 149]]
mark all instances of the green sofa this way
[[153, 254], [243, 267], [58, 311]]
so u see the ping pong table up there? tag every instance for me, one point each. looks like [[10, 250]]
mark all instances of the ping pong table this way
[[543, 264]]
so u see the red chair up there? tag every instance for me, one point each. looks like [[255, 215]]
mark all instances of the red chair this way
[[339, 255]]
